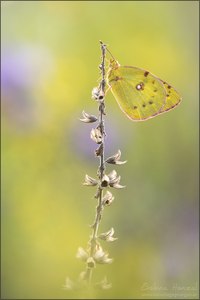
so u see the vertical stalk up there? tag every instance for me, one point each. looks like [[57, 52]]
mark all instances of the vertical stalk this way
[[101, 169], [94, 254]]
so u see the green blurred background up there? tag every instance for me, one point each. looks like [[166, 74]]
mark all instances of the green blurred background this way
[[50, 58]]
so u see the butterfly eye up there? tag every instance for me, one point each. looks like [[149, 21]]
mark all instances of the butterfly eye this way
[[140, 86]]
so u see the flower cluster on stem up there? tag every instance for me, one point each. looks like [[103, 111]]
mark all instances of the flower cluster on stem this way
[[95, 254]]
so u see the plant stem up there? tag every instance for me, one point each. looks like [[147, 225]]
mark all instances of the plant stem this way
[[101, 169]]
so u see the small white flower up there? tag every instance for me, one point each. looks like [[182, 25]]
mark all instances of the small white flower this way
[[96, 135], [90, 262], [89, 181], [101, 257], [82, 254], [112, 175], [95, 93], [114, 159], [104, 284], [108, 199], [114, 180], [105, 181], [88, 118], [69, 284], [99, 150], [108, 236]]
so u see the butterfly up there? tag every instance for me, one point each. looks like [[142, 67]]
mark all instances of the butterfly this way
[[140, 94]]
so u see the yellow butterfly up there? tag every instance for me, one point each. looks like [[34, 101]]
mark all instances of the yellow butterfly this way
[[140, 94]]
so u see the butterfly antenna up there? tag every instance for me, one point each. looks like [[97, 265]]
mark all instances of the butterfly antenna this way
[[107, 49], [110, 54]]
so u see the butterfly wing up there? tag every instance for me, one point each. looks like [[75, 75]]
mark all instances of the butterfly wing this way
[[140, 94], [172, 98]]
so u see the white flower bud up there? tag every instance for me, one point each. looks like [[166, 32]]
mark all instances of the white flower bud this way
[[89, 181], [69, 284], [115, 159], [95, 93], [82, 254], [90, 262], [99, 150], [88, 118], [105, 181], [104, 285], [108, 236], [112, 175], [96, 135], [114, 180], [108, 198], [101, 257]]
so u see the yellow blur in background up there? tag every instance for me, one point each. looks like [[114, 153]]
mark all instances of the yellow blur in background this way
[[50, 58]]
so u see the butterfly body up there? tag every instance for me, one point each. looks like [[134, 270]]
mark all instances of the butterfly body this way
[[140, 94]]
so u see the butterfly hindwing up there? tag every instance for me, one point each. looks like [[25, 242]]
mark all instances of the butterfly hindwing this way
[[172, 97]]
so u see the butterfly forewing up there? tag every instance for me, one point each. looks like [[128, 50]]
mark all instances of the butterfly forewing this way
[[139, 94]]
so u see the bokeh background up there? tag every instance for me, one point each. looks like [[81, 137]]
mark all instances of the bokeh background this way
[[50, 57]]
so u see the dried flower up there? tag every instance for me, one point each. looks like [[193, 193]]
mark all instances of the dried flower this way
[[104, 285], [82, 254], [95, 93], [111, 180], [101, 95], [98, 93], [99, 150], [90, 262], [114, 180], [69, 284], [115, 159], [108, 236], [105, 181], [95, 254], [101, 257], [88, 118], [89, 181], [96, 135], [112, 175], [118, 186], [107, 199]]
